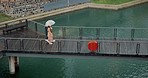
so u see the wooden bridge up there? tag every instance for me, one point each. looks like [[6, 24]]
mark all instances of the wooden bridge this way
[[27, 39]]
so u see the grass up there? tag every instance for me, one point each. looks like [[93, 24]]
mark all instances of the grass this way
[[4, 17], [110, 1]]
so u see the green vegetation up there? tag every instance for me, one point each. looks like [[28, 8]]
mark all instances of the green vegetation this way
[[110, 1], [4, 17]]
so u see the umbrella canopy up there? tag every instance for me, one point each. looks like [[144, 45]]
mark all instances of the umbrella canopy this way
[[49, 23]]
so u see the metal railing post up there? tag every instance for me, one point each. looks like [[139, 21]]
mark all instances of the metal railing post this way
[[36, 28], [132, 34], [137, 48], [40, 45], [26, 23], [99, 49], [46, 32], [118, 48], [6, 44], [115, 33], [21, 44], [80, 33], [5, 28], [97, 33], [59, 46], [63, 32], [78, 46]]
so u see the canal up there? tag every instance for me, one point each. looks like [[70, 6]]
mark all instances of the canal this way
[[131, 17], [99, 67]]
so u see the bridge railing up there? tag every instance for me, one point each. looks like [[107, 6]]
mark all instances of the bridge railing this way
[[37, 27], [29, 45], [101, 33], [10, 26], [2, 44], [12, 23]]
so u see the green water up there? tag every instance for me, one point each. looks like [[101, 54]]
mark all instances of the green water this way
[[100, 67], [136, 16]]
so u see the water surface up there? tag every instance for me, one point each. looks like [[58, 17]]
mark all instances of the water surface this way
[[100, 67], [136, 16]]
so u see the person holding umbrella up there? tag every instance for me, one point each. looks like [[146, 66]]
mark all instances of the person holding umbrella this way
[[49, 24]]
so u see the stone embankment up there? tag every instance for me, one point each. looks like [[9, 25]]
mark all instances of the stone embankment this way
[[80, 6]]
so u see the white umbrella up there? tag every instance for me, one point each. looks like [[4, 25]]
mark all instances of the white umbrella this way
[[49, 23]]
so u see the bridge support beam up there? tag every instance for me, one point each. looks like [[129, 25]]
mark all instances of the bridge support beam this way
[[13, 64]]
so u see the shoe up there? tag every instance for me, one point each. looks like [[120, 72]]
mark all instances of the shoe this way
[[53, 40], [48, 41]]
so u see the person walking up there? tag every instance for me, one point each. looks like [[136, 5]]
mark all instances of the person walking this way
[[49, 24]]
